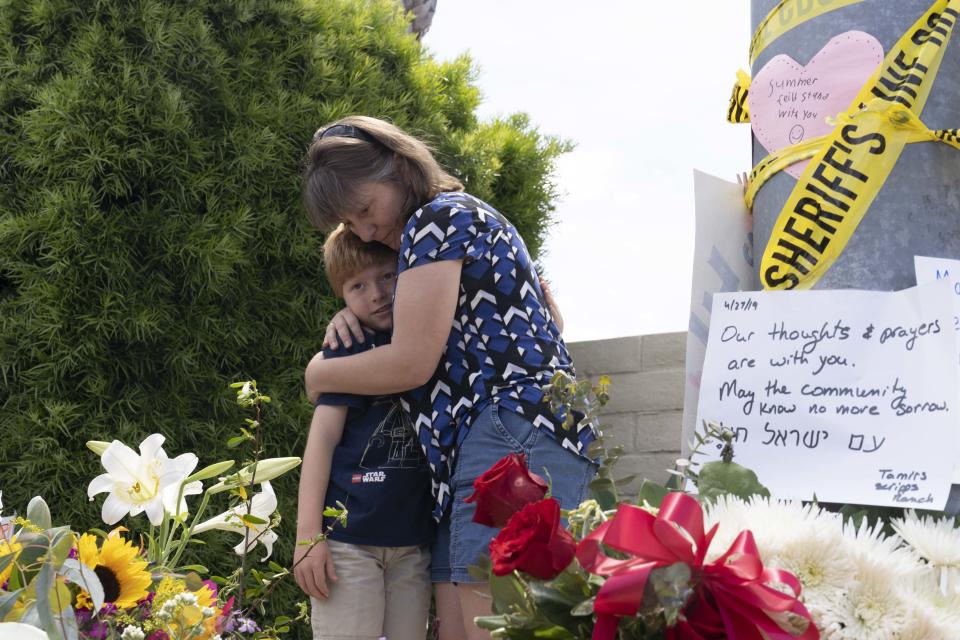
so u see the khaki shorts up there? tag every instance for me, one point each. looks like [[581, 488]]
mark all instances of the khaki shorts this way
[[380, 592]]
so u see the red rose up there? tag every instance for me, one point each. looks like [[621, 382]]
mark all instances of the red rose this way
[[533, 542], [503, 489]]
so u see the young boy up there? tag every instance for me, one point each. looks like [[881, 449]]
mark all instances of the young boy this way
[[371, 578]]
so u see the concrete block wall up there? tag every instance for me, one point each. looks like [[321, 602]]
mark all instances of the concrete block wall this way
[[646, 398]]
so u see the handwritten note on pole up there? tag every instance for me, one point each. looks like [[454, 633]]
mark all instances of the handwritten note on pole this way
[[934, 269], [851, 396]]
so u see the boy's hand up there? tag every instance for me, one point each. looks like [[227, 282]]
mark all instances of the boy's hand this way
[[315, 570], [344, 327]]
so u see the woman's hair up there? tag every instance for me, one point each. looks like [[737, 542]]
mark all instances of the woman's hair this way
[[358, 150], [345, 255]]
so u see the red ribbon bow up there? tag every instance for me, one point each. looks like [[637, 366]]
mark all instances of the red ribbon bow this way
[[732, 598]]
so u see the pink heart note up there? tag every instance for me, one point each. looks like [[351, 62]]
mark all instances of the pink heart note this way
[[790, 102]]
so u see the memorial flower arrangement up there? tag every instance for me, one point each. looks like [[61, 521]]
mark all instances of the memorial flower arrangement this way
[[722, 560], [120, 584]]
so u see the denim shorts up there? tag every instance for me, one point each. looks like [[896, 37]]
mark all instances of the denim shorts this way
[[495, 433]]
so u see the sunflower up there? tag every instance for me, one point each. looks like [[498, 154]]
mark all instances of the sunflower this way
[[118, 565], [6, 548]]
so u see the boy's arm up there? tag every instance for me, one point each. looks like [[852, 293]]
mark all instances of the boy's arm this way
[[423, 311], [316, 568]]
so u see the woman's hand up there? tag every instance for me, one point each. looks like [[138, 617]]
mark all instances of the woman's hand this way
[[315, 570], [343, 328], [551, 304]]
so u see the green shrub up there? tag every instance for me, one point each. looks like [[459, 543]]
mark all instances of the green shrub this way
[[153, 246]]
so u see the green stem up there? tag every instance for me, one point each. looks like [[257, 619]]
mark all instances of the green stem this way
[[186, 536], [175, 524], [152, 551], [246, 530]]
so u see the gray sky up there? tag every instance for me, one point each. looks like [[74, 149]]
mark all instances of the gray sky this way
[[642, 89]]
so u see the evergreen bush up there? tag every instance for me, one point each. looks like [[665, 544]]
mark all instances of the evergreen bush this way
[[153, 245]]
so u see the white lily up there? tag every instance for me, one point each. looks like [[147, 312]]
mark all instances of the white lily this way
[[139, 483], [262, 506]]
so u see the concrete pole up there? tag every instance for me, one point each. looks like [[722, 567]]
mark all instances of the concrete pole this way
[[917, 212]]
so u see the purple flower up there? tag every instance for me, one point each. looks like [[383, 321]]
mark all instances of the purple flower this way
[[82, 616], [98, 630], [247, 625]]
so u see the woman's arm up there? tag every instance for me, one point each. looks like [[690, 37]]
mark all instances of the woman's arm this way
[[426, 300], [326, 429]]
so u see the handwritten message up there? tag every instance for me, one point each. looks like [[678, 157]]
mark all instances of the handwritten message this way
[[851, 396], [790, 102], [932, 270]]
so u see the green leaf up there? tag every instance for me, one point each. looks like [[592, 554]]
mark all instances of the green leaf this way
[[625, 480], [651, 493], [509, 594], [236, 441], [585, 608], [491, 623], [552, 602], [7, 600], [61, 542], [35, 545], [719, 478], [671, 587], [601, 484], [554, 632], [250, 519], [199, 568], [83, 576], [39, 513], [6, 561], [42, 584]]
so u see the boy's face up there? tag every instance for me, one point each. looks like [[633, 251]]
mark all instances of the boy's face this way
[[369, 294]]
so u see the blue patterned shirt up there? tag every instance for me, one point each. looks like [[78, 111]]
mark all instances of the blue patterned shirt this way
[[503, 346]]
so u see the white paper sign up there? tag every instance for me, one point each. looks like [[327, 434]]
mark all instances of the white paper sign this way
[[932, 270], [849, 396], [722, 261]]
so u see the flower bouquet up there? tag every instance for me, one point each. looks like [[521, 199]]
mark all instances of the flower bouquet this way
[[723, 560], [60, 584]]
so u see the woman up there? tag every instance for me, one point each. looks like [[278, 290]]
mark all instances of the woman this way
[[473, 339]]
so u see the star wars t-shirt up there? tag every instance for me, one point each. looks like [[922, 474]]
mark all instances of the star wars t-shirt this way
[[378, 471]]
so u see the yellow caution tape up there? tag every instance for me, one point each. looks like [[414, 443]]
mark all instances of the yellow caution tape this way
[[950, 136], [738, 111], [853, 162], [783, 158], [786, 15]]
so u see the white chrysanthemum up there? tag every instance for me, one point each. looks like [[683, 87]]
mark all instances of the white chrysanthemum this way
[[823, 565], [773, 523], [872, 608], [932, 615], [937, 540], [873, 546]]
